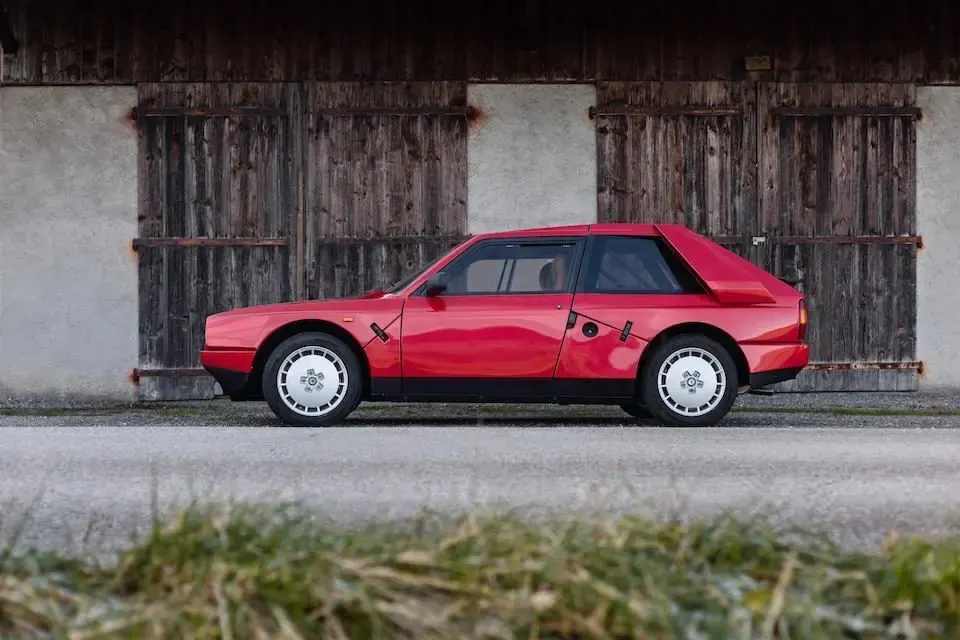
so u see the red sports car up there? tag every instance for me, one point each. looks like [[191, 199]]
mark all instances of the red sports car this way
[[653, 318]]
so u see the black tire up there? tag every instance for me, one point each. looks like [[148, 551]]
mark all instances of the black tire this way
[[354, 380], [636, 410], [660, 409]]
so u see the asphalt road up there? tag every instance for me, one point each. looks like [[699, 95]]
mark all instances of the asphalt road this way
[[832, 473]]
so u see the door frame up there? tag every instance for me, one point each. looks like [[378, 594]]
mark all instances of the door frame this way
[[499, 389]]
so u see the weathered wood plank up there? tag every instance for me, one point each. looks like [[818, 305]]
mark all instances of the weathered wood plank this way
[[836, 174], [662, 162], [216, 196], [861, 299], [381, 174], [833, 206], [352, 268], [232, 169], [196, 282], [110, 41]]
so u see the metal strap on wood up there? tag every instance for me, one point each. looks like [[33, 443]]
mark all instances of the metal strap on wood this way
[[626, 109], [139, 112], [867, 111], [209, 242]]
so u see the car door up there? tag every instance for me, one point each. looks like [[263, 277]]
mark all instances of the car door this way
[[501, 318], [628, 288]]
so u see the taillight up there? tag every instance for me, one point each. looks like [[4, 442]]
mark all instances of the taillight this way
[[803, 320]]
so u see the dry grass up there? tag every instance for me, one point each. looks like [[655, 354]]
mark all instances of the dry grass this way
[[277, 573]]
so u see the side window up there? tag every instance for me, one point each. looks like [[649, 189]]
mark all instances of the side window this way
[[636, 265], [514, 268]]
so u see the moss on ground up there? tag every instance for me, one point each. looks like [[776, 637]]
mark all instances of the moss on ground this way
[[275, 572]]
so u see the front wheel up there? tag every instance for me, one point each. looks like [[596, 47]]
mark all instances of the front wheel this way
[[689, 381], [312, 380]]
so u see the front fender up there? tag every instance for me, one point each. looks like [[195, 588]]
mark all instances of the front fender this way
[[249, 330]]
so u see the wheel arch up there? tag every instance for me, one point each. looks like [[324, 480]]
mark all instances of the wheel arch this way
[[710, 331], [304, 326]]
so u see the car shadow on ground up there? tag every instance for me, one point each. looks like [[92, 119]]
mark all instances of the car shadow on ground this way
[[258, 415]]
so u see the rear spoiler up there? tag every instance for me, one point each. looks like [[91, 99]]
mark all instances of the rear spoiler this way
[[726, 275]]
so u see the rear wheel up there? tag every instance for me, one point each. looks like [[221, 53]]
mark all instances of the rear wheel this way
[[689, 381], [312, 380]]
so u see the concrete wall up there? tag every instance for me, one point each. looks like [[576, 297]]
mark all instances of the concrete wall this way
[[938, 222], [68, 211], [532, 159]]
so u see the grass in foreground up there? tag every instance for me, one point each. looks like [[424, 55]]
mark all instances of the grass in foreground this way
[[275, 573]]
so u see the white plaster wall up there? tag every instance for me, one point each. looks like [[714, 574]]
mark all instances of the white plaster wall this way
[[938, 222], [68, 211], [532, 158]]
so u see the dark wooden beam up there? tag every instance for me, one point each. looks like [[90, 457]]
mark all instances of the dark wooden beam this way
[[7, 39], [850, 239], [209, 242], [876, 112], [688, 110], [203, 112]]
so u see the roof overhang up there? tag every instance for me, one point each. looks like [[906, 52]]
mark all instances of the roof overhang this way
[[7, 40]]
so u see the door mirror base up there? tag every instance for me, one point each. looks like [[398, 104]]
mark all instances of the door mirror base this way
[[436, 285]]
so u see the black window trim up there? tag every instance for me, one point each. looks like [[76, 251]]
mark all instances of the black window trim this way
[[578, 240], [665, 248]]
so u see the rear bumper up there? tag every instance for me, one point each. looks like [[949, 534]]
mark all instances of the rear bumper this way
[[773, 363], [231, 369]]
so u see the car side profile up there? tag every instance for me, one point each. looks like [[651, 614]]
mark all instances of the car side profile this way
[[656, 319]]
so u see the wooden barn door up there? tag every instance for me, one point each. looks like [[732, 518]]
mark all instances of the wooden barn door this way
[[217, 202], [385, 182], [838, 212], [681, 152]]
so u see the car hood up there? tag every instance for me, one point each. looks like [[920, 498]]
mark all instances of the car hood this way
[[354, 303]]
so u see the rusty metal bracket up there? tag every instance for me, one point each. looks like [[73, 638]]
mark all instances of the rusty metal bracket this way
[[915, 240], [626, 109], [204, 112], [880, 112], [209, 242]]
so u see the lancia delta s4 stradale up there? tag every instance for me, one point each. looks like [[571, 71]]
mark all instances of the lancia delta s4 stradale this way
[[655, 319]]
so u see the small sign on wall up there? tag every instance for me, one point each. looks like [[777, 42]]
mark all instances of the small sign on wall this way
[[758, 63]]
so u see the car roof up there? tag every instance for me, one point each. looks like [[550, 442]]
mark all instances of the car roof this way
[[604, 228]]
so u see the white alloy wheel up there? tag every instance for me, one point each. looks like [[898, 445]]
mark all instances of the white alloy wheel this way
[[312, 381], [691, 381]]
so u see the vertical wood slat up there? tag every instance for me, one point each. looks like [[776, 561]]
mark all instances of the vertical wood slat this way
[[846, 173], [372, 176], [221, 176], [657, 162]]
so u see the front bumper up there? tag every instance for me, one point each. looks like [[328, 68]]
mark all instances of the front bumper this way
[[230, 368]]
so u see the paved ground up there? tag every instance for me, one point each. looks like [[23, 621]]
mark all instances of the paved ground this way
[[851, 471]]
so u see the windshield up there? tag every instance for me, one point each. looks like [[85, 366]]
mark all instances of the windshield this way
[[400, 284]]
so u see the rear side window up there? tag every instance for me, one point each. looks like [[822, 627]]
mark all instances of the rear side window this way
[[636, 265]]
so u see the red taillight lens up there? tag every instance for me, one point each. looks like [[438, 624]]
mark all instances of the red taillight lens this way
[[803, 320]]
